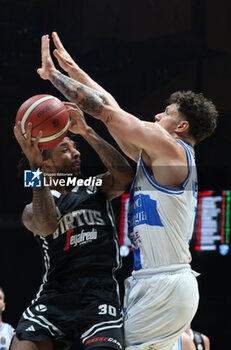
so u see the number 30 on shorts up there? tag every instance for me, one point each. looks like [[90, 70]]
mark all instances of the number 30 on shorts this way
[[107, 309]]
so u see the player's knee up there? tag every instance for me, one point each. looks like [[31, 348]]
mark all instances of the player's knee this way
[[15, 343]]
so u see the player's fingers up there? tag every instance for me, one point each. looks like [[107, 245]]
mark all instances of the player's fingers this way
[[72, 105], [36, 141], [18, 132], [39, 71], [59, 56], [63, 59], [71, 111], [45, 47], [75, 109], [42, 48], [28, 133], [57, 41], [69, 104]]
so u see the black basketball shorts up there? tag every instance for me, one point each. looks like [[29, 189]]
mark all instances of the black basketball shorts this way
[[88, 308]]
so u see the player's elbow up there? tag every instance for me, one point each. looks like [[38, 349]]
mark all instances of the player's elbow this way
[[129, 177], [46, 228], [109, 114], [27, 217], [125, 179]]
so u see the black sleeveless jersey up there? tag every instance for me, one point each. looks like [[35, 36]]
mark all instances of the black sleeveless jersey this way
[[85, 242]]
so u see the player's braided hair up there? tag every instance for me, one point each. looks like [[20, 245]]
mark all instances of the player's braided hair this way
[[199, 111]]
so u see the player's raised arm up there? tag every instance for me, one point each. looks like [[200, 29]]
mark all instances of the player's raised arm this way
[[122, 125], [119, 174], [40, 217], [91, 101], [67, 63]]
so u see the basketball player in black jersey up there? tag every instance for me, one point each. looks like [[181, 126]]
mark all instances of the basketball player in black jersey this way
[[76, 230]]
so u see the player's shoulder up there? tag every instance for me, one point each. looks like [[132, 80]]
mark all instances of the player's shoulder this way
[[77, 195], [6, 325]]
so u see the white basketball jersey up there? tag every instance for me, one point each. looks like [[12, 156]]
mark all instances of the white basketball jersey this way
[[161, 219], [6, 334]]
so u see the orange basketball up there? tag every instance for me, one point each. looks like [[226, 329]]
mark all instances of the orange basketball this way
[[46, 113]]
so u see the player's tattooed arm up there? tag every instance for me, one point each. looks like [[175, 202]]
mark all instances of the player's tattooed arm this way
[[67, 63], [119, 174], [40, 216], [93, 102], [89, 100]]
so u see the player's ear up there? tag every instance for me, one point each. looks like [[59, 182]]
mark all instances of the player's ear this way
[[182, 127], [3, 306], [48, 165]]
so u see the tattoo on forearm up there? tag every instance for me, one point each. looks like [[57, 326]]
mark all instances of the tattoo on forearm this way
[[87, 99], [43, 205], [119, 169], [109, 117], [110, 157]]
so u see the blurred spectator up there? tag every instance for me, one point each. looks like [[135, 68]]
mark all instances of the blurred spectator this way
[[6, 330]]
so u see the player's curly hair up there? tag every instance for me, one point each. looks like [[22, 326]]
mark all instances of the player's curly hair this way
[[199, 111]]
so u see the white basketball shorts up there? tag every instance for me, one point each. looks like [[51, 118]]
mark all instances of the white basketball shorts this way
[[159, 304]]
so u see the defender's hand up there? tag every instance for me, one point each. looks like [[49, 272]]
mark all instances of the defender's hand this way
[[47, 64], [65, 61], [78, 123], [30, 148]]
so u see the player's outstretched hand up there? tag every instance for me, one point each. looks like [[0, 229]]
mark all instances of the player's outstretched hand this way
[[30, 148], [78, 123], [47, 64], [65, 60]]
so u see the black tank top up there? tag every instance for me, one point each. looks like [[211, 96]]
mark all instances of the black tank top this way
[[85, 242]]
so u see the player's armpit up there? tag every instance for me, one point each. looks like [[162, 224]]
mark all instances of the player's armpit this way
[[113, 186]]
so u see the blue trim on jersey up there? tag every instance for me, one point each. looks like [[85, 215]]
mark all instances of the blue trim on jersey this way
[[186, 144], [137, 261], [189, 160], [133, 183], [156, 185], [180, 343], [10, 331], [2, 326], [166, 189]]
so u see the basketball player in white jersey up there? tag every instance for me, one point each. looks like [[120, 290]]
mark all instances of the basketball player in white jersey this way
[[161, 296], [6, 330]]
